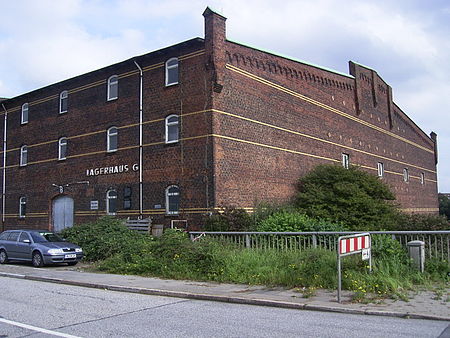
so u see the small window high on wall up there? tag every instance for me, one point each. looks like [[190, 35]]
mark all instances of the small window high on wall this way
[[63, 97], [172, 72], [113, 87], [24, 115]]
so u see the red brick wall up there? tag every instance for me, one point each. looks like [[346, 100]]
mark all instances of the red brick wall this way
[[277, 118]]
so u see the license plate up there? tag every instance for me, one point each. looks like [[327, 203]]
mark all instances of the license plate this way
[[70, 256]]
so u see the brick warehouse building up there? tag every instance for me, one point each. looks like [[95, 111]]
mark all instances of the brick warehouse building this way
[[180, 132]]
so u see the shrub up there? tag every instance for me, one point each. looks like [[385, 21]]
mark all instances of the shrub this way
[[411, 222], [230, 219], [294, 221], [105, 237], [351, 196], [444, 206]]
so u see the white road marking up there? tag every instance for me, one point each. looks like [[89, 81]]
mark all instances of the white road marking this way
[[37, 329]]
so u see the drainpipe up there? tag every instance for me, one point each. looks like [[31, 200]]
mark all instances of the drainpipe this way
[[141, 75], [4, 166]]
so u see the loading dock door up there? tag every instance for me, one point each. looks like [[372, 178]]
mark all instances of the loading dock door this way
[[62, 213]]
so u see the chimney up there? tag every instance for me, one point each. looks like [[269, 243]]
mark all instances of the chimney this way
[[215, 46]]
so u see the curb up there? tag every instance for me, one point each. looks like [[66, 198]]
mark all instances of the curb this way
[[225, 299]]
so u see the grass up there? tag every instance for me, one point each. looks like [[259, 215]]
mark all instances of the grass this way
[[174, 256]]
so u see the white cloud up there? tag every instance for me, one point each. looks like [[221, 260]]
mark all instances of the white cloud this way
[[45, 41]]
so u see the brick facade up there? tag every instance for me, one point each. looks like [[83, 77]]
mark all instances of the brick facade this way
[[250, 124]]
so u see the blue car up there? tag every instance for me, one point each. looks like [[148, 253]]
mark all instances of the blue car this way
[[40, 247]]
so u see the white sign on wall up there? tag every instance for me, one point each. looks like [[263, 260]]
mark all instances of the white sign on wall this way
[[111, 170]]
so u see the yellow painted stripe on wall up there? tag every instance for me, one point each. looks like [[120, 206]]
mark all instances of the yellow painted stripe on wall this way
[[322, 105]]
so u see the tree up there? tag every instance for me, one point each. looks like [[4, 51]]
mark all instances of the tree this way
[[444, 206], [351, 196]]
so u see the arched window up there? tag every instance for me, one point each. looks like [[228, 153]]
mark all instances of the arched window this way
[[111, 202], [23, 155], [172, 129], [345, 160], [63, 97], [22, 207], [380, 169], [24, 115], [113, 87], [172, 71], [112, 139], [405, 175], [62, 148], [172, 200]]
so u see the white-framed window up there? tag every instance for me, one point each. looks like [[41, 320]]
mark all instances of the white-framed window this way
[[23, 155], [172, 200], [112, 138], [405, 175], [113, 88], [422, 178], [63, 97], [345, 160], [22, 207], [172, 72], [380, 169], [111, 202], [62, 148], [172, 129], [24, 115]]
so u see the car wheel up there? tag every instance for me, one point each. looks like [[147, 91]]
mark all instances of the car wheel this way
[[72, 263], [3, 257], [37, 260]]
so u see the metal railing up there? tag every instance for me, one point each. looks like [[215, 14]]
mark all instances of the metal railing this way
[[437, 243]]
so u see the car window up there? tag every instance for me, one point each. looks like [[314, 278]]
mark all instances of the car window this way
[[23, 236], [4, 235], [40, 237], [13, 236]]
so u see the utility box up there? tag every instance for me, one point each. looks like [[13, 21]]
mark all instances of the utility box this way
[[416, 251]]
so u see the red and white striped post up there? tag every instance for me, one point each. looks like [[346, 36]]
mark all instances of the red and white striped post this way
[[353, 244]]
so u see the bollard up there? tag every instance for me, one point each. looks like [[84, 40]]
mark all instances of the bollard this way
[[157, 230], [416, 251]]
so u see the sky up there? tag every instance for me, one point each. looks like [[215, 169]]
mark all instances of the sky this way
[[406, 41]]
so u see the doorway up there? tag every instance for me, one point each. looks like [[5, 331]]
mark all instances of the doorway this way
[[62, 213]]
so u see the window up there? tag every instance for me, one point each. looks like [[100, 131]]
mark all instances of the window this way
[[22, 207], [112, 139], [172, 200], [23, 155], [127, 198], [422, 178], [405, 175], [24, 116], [63, 97], [172, 129], [345, 160], [380, 168], [111, 202], [24, 237], [62, 148], [113, 87], [172, 72]]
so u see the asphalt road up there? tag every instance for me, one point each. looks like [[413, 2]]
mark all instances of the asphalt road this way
[[47, 310]]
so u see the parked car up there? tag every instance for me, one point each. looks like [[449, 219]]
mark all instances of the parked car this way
[[40, 247]]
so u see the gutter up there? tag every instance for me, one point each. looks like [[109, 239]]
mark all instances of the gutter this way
[[141, 76], [5, 134]]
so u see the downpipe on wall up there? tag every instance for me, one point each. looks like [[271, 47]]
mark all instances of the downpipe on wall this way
[[141, 75]]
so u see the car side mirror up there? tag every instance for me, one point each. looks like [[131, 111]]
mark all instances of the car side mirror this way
[[26, 241]]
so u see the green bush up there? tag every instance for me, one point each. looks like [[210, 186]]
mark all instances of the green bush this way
[[411, 222], [444, 206], [229, 219], [351, 196], [106, 237], [295, 221]]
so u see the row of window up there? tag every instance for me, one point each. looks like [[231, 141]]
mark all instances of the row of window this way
[[172, 132], [171, 79], [172, 196], [380, 169]]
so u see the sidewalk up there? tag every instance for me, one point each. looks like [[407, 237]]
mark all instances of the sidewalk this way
[[424, 305]]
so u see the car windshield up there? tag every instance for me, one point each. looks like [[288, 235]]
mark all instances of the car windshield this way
[[39, 237]]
